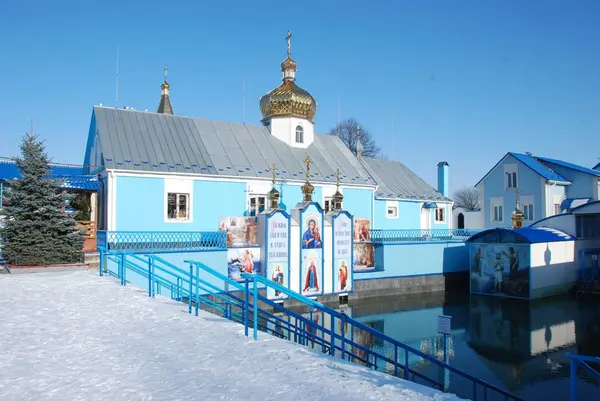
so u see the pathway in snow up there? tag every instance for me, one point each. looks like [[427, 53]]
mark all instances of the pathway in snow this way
[[76, 336]]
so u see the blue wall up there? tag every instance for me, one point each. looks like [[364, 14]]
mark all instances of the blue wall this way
[[529, 182], [358, 202], [409, 216], [215, 260], [141, 204], [402, 260]]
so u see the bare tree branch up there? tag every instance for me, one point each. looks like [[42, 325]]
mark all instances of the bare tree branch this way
[[349, 131], [467, 198]]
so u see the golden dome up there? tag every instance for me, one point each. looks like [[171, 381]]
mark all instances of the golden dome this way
[[288, 100]]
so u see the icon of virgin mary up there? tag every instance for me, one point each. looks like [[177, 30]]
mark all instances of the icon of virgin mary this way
[[311, 281], [311, 238]]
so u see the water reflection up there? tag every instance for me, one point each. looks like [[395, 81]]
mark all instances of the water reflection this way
[[516, 345]]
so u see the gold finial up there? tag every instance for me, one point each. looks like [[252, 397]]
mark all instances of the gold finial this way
[[518, 216], [288, 38], [166, 72], [307, 188], [273, 172]]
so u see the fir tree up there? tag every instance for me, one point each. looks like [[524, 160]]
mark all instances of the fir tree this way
[[37, 231]]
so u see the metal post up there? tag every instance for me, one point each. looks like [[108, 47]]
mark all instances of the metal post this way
[[332, 345], [405, 364], [178, 289], [191, 278], [343, 337], [197, 289], [101, 265], [150, 277], [122, 268], [246, 308], [255, 295], [153, 277], [124, 272], [573, 379], [395, 360]]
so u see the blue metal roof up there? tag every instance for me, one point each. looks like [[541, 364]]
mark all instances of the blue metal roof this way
[[571, 203], [596, 167], [69, 176], [568, 165], [430, 205], [539, 168], [531, 162], [531, 235]]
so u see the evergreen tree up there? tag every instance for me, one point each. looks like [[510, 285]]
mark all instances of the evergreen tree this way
[[37, 231]]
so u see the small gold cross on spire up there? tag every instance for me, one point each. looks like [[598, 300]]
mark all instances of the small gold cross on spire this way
[[273, 172], [307, 160], [337, 176], [288, 38], [166, 72]]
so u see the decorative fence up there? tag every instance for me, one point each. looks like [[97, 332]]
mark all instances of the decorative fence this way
[[417, 235], [162, 241], [335, 334]]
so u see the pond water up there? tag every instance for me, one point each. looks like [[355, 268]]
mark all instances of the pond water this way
[[516, 345]]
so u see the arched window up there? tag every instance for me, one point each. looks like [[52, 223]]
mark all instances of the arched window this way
[[299, 134], [461, 220]]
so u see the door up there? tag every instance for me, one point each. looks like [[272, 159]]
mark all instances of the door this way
[[425, 219], [461, 220]]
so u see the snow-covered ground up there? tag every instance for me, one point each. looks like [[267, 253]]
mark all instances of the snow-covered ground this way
[[76, 336]]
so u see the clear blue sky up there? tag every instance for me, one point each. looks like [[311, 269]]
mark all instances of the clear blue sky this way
[[463, 81]]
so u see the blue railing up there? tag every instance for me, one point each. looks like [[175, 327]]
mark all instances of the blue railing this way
[[416, 235], [162, 241], [336, 334], [583, 362]]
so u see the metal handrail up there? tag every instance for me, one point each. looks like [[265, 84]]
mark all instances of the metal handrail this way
[[582, 361], [397, 344]]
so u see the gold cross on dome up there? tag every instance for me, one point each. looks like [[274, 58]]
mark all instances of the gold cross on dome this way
[[288, 38], [166, 72], [273, 172]]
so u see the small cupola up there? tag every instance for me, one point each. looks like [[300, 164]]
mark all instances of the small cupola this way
[[164, 107]]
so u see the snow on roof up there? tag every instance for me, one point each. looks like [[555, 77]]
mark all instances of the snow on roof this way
[[80, 336], [531, 235]]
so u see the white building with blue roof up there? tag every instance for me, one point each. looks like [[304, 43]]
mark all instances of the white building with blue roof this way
[[164, 172], [544, 186]]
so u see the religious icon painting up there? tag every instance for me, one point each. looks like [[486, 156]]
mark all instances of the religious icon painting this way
[[279, 275], [342, 277], [241, 230], [311, 280], [362, 227], [364, 257], [243, 260], [311, 236]]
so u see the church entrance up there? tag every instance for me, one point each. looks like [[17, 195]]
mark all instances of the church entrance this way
[[461, 220]]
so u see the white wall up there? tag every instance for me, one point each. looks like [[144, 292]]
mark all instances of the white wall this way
[[473, 219], [561, 222], [553, 268], [284, 129]]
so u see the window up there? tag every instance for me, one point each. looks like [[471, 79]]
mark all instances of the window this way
[[510, 172], [588, 226], [511, 180], [256, 204], [299, 134], [440, 215], [178, 206], [557, 209], [528, 212], [392, 210], [497, 213], [497, 209]]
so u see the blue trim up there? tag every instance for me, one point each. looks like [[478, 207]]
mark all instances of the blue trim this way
[[430, 205], [351, 267], [529, 235], [550, 217], [322, 224]]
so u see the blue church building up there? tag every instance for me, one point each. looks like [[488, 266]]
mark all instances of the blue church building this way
[[164, 172]]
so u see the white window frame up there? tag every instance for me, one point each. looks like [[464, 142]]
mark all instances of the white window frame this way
[[435, 215], [511, 176], [178, 197], [497, 203], [392, 209], [256, 198], [299, 130], [526, 204], [179, 187]]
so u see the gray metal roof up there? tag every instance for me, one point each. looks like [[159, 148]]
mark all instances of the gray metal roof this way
[[143, 141], [396, 181]]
